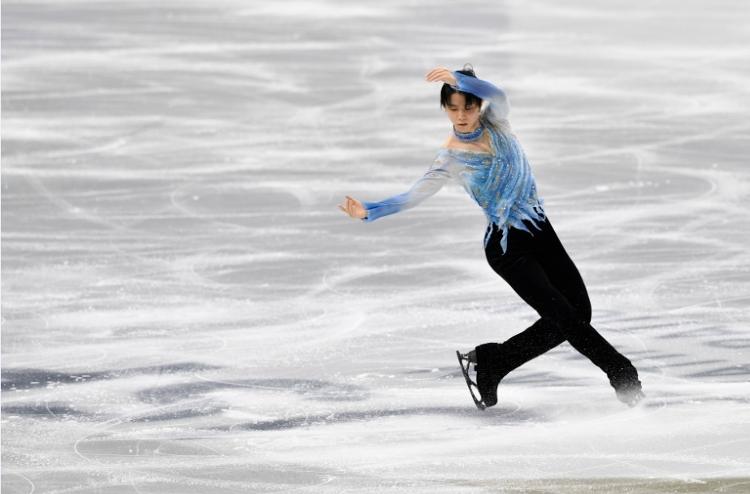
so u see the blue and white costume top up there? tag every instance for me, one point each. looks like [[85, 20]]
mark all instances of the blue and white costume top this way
[[501, 182]]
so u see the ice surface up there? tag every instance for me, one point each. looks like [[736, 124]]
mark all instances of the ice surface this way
[[184, 308]]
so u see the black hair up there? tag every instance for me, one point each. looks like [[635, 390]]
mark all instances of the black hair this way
[[447, 90]]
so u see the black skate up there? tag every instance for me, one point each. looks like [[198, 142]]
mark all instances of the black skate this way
[[630, 395], [486, 358], [627, 388]]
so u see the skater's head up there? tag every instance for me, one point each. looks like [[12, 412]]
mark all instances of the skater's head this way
[[462, 108]]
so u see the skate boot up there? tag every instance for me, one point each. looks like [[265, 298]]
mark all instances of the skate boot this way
[[630, 394], [627, 387], [486, 358]]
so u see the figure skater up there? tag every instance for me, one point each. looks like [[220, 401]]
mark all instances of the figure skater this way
[[485, 157]]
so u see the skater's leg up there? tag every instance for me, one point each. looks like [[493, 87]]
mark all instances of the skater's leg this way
[[495, 360], [562, 273], [532, 342], [528, 279]]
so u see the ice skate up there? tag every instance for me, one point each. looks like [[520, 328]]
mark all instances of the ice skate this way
[[486, 364], [628, 389], [630, 395], [465, 360]]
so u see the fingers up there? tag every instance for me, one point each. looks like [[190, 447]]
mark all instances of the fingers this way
[[348, 212], [433, 74], [441, 74], [350, 205], [436, 70], [438, 73]]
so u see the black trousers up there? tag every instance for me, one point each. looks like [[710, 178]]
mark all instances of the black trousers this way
[[540, 271]]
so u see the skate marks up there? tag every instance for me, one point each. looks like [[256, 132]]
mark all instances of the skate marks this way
[[705, 357], [229, 477], [106, 446], [733, 343], [500, 415], [51, 392], [171, 401], [339, 396], [50, 409], [190, 400], [172, 467], [17, 483], [177, 460], [738, 370], [242, 207], [736, 485], [47, 410], [21, 379], [305, 388]]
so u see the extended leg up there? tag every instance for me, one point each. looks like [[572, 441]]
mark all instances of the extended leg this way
[[528, 278], [562, 273]]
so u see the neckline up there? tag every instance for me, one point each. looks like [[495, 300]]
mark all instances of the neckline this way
[[471, 136], [459, 150], [479, 153]]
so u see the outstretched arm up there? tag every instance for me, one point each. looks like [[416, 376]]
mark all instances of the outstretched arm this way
[[423, 188], [433, 179]]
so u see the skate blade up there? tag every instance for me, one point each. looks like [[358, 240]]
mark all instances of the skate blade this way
[[471, 384], [637, 399], [632, 399]]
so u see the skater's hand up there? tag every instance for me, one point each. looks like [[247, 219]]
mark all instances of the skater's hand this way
[[353, 208], [441, 74]]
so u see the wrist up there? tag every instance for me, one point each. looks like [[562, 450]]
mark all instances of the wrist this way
[[456, 83]]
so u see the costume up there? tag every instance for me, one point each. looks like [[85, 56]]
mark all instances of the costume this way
[[501, 183], [522, 247]]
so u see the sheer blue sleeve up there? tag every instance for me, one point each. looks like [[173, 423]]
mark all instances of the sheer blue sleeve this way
[[433, 179], [499, 106]]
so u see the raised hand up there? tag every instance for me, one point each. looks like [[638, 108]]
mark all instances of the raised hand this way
[[441, 74], [353, 208]]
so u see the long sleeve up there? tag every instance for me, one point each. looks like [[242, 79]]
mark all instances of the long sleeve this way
[[499, 106], [433, 179]]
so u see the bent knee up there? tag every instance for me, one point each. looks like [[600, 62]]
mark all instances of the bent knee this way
[[583, 311], [566, 318], [584, 315]]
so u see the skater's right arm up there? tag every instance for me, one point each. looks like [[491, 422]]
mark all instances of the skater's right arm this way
[[432, 180], [499, 106]]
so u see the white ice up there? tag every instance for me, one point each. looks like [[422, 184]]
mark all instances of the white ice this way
[[185, 309]]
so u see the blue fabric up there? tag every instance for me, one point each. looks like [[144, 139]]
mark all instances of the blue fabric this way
[[501, 183]]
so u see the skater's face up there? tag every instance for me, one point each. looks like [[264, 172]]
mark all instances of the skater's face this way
[[463, 116]]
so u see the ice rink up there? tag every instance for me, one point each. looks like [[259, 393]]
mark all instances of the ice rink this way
[[186, 310]]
